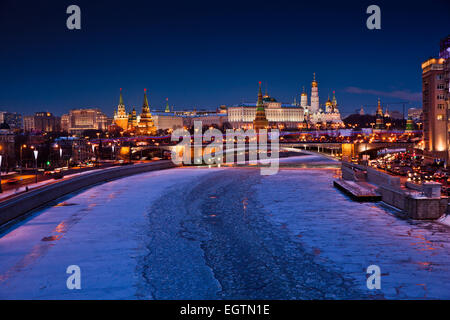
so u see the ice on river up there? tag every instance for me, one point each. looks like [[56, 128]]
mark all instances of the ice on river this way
[[169, 235]]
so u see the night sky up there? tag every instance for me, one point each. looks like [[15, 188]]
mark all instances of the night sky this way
[[204, 54]]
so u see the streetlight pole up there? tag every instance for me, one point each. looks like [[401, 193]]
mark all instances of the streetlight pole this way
[[35, 152], [21, 161]]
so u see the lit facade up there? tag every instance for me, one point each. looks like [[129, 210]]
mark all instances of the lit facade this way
[[120, 115], [79, 120], [275, 113], [434, 109]]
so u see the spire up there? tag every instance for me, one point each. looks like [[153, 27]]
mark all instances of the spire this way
[[260, 121], [121, 98], [145, 104], [379, 109], [303, 91], [167, 105], [314, 82], [259, 104]]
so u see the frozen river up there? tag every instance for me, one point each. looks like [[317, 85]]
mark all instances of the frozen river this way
[[199, 233]]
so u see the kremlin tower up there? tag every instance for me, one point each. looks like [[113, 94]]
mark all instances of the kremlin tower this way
[[120, 116], [132, 120], [146, 125], [260, 121], [167, 106], [314, 96]]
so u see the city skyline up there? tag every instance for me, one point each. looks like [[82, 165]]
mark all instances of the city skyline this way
[[204, 55]]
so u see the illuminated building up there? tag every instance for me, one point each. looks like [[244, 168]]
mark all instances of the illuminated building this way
[[120, 116], [409, 125], [13, 119], [260, 121], [167, 106], [276, 113], [444, 53], [132, 119], [434, 109], [331, 114], [28, 123], [314, 96], [304, 99], [145, 124], [46, 122], [79, 120], [379, 122]]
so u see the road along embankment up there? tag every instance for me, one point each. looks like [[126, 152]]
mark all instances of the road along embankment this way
[[18, 206]]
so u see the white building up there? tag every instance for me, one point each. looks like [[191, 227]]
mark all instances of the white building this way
[[277, 113]]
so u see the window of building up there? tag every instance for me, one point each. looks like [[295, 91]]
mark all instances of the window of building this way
[[440, 106], [440, 97], [440, 117], [440, 86]]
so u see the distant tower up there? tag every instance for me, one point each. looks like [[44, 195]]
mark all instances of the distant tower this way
[[409, 124], [328, 105], [314, 96], [334, 101], [379, 123], [361, 111], [132, 120], [304, 99], [146, 125], [260, 121], [167, 105], [120, 116]]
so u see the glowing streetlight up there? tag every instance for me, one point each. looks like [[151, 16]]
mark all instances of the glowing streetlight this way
[[35, 152]]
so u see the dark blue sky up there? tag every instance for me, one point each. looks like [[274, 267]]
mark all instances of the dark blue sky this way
[[203, 54]]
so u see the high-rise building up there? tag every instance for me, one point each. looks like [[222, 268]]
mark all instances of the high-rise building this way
[[434, 109], [46, 122], [28, 123], [444, 53], [12, 119]]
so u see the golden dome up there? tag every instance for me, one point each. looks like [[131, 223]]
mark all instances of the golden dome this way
[[314, 83]]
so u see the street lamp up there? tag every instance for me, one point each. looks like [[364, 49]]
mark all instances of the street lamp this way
[[21, 162], [35, 152]]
